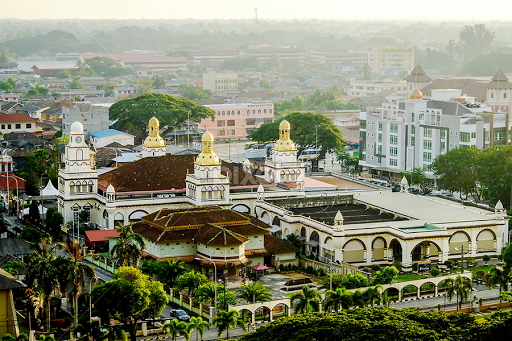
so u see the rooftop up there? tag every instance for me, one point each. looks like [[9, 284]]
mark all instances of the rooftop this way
[[109, 132]]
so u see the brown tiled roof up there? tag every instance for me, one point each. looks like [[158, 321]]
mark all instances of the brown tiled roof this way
[[158, 234], [256, 221], [215, 235], [196, 216], [418, 75], [167, 172], [246, 229], [257, 252], [277, 245], [15, 118]]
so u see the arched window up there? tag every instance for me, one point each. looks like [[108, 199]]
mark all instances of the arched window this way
[[264, 111], [259, 111], [238, 112], [223, 113], [270, 111], [254, 111], [248, 112]]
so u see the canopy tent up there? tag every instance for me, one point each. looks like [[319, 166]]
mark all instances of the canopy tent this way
[[259, 267], [49, 190], [42, 210]]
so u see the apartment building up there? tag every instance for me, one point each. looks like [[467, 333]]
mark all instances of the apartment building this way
[[382, 57], [286, 55], [220, 81], [237, 120], [367, 88], [9, 68], [93, 117], [358, 58]]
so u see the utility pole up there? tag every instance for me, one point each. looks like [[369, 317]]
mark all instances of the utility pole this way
[[316, 138], [462, 259]]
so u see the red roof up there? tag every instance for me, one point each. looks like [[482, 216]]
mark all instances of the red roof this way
[[101, 235], [260, 267], [12, 182], [15, 118]]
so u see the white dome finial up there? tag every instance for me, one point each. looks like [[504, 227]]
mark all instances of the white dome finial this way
[[77, 128]]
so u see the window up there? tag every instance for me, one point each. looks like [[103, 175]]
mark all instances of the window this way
[[492, 94], [443, 147], [18, 126], [221, 123], [393, 128], [8, 126], [379, 149], [413, 141], [361, 135], [3, 126], [427, 144], [427, 132], [223, 113], [362, 124], [393, 139], [231, 132], [231, 123], [473, 135], [465, 137], [427, 157], [504, 95], [379, 160], [380, 137], [393, 151], [380, 126], [238, 112], [443, 134], [250, 121], [221, 133], [412, 117], [248, 112], [498, 136], [413, 129], [427, 168], [393, 162]]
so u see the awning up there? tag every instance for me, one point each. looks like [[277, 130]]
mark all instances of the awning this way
[[301, 238], [275, 229], [259, 267], [313, 243], [328, 247]]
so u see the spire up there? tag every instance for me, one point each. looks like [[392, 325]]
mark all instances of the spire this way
[[154, 139], [338, 221], [284, 143]]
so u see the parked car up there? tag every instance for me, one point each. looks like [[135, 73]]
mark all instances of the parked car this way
[[414, 190], [180, 315]]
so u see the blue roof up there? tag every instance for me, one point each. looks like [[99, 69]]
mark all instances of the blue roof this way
[[107, 133]]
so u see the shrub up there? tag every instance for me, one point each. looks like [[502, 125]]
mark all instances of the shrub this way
[[435, 272], [470, 261], [376, 267], [455, 263], [486, 258], [282, 267], [366, 269], [309, 269], [8, 337], [448, 263], [320, 272], [480, 274]]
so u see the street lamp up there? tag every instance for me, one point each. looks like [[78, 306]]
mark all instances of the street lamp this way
[[461, 258], [223, 281], [17, 191], [90, 296], [215, 279]]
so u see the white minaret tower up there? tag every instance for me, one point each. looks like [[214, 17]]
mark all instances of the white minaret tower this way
[[154, 144], [78, 181], [207, 185], [284, 167]]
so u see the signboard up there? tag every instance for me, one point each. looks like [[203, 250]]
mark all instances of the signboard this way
[[499, 108], [364, 175]]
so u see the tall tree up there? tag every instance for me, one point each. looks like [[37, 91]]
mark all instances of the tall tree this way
[[144, 86], [76, 272], [226, 320], [474, 41], [175, 327], [134, 114], [129, 297], [165, 271], [205, 293], [191, 281], [303, 130], [43, 273], [197, 324], [338, 298], [499, 277], [253, 292], [53, 223], [459, 286], [305, 300], [128, 248]]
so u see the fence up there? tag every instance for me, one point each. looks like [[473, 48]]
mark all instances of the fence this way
[[106, 264], [183, 300]]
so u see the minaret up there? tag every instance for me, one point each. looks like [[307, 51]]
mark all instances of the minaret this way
[[283, 166], [207, 185], [154, 144], [338, 221], [78, 181]]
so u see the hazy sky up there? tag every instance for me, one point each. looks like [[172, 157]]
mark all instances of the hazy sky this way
[[267, 9]]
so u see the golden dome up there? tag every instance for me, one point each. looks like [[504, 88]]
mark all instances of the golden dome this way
[[207, 156], [207, 137], [284, 125], [154, 139], [416, 94]]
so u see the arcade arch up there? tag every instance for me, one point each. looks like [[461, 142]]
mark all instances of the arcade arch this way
[[486, 241], [354, 251]]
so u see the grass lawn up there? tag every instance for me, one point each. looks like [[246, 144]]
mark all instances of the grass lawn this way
[[485, 269], [407, 277]]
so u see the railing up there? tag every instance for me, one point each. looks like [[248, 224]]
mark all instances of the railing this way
[[106, 264]]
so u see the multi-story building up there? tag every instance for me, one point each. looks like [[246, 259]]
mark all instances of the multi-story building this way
[[155, 62], [9, 68], [367, 88], [17, 123], [285, 55], [220, 81], [412, 133], [202, 56], [358, 58], [383, 57], [233, 121], [92, 117]]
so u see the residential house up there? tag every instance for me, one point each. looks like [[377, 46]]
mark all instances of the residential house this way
[[51, 70], [10, 97], [17, 123], [103, 138], [51, 114], [125, 91], [10, 68]]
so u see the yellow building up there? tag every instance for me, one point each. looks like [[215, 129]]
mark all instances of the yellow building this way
[[8, 319]]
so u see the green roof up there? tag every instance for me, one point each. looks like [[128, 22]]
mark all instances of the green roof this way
[[426, 227]]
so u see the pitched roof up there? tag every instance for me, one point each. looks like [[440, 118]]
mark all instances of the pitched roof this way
[[19, 183], [157, 234], [471, 87], [278, 245], [499, 81], [8, 281], [108, 132], [13, 246], [101, 235], [166, 173], [418, 75], [214, 235], [15, 118], [449, 108]]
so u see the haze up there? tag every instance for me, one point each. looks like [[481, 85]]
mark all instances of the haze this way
[[267, 9]]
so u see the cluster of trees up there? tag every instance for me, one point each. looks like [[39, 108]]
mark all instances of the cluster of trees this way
[[8, 85], [483, 174], [304, 127], [320, 99], [193, 93], [106, 67], [40, 165], [358, 280], [385, 324], [132, 115], [37, 90]]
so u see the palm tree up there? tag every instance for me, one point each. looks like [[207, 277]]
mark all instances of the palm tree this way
[[460, 286], [226, 320], [42, 273], [197, 323], [498, 277], [308, 298], [205, 292], [337, 299], [175, 327], [129, 246], [170, 270], [253, 292], [76, 272], [358, 298], [373, 295]]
